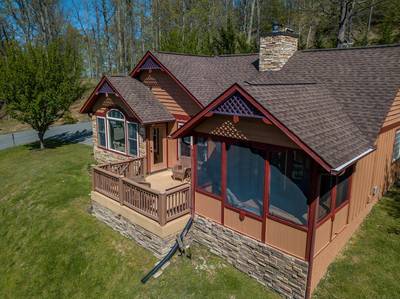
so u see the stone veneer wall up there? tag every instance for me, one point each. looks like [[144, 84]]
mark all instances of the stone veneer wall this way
[[105, 156], [275, 50], [157, 245], [279, 271]]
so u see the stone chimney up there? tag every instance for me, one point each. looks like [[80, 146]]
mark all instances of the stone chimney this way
[[276, 48]]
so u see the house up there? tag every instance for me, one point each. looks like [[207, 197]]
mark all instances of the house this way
[[290, 150]]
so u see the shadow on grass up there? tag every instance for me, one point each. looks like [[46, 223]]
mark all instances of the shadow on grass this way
[[62, 139]]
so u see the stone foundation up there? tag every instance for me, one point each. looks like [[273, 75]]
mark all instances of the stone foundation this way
[[279, 271], [157, 245]]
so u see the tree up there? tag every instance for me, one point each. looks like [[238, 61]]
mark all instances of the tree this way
[[39, 83]]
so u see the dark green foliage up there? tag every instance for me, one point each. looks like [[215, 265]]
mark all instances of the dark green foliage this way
[[40, 82]]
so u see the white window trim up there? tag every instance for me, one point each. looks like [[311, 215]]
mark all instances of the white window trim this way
[[108, 130], [137, 138], [105, 131]]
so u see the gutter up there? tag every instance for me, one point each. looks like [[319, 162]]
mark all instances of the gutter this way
[[348, 163]]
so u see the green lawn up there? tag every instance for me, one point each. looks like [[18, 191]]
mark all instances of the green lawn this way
[[370, 265], [51, 247]]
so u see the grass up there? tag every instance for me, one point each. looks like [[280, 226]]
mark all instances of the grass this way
[[369, 267], [50, 247]]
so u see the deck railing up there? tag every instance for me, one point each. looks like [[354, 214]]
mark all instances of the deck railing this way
[[128, 168], [159, 206]]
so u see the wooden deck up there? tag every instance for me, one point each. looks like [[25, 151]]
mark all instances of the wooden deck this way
[[163, 201]]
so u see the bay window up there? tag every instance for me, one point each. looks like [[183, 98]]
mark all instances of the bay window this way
[[209, 162], [289, 185], [115, 133], [245, 178]]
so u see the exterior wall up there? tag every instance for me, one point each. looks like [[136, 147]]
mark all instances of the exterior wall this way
[[376, 169], [283, 273], [393, 116], [208, 207], [103, 155], [169, 93], [248, 226], [245, 129], [288, 239], [280, 236], [146, 232]]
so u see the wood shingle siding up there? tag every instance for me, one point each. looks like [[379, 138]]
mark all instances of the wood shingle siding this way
[[172, 96], [393, 116]]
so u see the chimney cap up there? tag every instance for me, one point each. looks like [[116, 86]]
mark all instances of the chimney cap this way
[[290, 33]]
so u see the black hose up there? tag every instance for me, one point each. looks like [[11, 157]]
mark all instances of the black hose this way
[[169, 254]]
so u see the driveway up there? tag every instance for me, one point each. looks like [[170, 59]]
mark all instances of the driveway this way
[[80, 132]]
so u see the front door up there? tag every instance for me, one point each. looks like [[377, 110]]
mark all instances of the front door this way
[[158, 146]]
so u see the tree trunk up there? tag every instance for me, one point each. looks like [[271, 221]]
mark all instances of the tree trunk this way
[[41, 139], [250, 27], [346, 8]]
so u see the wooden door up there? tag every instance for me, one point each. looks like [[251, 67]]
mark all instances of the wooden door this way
[[158, 147]]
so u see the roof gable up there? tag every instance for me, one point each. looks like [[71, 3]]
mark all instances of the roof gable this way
[[150, 64], [267, 117], [141, 102]]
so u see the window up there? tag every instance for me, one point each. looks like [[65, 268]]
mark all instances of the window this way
[[122, 136], [101, 131], [184, 145], [209, 165], [133, 138], [396, 147], [289, 185], [342, 188], [325, 197], [245, 178]]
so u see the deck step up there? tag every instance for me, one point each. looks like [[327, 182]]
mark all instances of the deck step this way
[[158, 273], [165, 265]]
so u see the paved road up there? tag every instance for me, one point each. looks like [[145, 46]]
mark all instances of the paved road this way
[[80, 132]]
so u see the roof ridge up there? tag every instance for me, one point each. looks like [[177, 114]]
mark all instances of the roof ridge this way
[[183, 54], [236, 54], [352, 48]]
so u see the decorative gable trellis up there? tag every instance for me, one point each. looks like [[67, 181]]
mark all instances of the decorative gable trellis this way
[[238, 106], [150, 64], [105, 88]]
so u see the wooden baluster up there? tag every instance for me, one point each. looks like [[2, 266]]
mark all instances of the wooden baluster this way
[[162, 208], [121, 190]]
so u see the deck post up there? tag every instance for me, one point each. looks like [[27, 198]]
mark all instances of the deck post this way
[[162, 208], [121, 190], [144, 167], [93, 179]]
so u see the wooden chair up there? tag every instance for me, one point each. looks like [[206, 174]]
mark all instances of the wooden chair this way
[[182, 169]]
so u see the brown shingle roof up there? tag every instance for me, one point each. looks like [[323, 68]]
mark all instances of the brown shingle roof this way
[[334, 100], [140, 99]]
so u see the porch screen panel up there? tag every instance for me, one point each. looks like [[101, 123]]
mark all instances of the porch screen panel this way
[[209, 165], [289, 186], [117, 135], [132, 138], [342, 188], [245, 179], [101, 131], [325, 196]]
